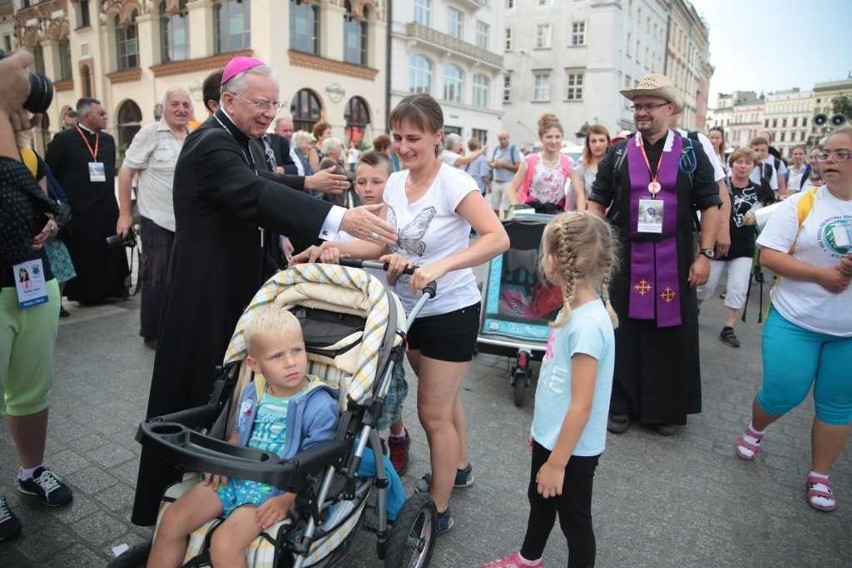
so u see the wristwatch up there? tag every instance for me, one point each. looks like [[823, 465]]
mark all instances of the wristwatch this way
[[709, 253]]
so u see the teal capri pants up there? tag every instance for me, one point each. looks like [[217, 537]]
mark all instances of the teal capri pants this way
[[27, 340], [795, 358]]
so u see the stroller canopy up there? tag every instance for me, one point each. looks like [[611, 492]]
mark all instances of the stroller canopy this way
[[337, 289]]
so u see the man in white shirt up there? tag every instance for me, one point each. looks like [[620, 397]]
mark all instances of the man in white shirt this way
[[152, 157], [773, 157], [453, 152], [765, 169]]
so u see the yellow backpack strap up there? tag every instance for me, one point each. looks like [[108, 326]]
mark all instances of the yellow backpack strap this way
[[805, 205], [28, 156], [803, 209]]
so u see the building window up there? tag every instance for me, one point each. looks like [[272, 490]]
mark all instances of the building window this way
[[482, 32], [509, 41], [83, 20], [127, 43], [305, 108], [783, 123], [545, 2], [420, 75], [541, 87], [479, 134], [355, 38], [232, 26], [629, 43], [481, 84], [128, 121], [507, 88], [422, 11], [65, 70], [174, 34], [574, 82], [38, 56], [453, 84], [542, 36], [357, 118], [455, 23], [795, 121], [578, 33], [783, 136], [304, 27], [452, 130], [774, 123], [804, 122], [510, 4]]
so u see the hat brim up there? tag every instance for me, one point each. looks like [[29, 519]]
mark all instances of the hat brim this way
[[665, 93]]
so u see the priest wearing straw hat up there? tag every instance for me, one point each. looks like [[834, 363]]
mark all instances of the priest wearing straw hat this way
[[657, 374], [224, 213]]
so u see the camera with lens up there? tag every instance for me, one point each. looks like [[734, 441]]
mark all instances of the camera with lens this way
[[116, 242], [41, 92]]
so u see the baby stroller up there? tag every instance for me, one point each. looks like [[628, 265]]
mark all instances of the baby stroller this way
[[517, 304], [354, 331]]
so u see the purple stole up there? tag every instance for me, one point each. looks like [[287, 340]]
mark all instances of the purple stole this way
[[654, 282]]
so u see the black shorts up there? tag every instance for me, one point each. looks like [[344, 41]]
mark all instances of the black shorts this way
[[446, 337]]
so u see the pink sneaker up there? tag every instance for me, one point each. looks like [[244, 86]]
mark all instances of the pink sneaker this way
[[514, 560]]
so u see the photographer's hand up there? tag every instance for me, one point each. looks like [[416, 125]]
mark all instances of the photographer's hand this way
[[15, 87]]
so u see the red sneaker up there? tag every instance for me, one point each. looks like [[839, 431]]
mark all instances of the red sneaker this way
[[399, 452]]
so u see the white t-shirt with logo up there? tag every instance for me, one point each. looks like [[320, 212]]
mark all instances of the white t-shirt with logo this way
[[825, 238], [430, 230]]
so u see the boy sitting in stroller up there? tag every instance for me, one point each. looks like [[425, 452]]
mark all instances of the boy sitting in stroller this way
[[294, 413]]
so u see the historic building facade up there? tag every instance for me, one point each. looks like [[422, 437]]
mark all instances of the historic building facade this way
[[330, 56], [452, 50]]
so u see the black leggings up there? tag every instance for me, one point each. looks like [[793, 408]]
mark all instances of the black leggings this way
[[574, 507]]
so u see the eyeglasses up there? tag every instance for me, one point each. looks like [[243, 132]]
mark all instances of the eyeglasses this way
[[839, 155], [261, 105], [647, 107]]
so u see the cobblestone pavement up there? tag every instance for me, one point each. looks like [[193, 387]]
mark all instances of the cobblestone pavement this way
[[679, 501]]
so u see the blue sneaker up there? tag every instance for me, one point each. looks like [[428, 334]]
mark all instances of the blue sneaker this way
[[47, 486], [464, 478], [443, 522], [9, 524]]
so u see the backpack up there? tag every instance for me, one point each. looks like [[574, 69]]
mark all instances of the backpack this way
[[531, 161]]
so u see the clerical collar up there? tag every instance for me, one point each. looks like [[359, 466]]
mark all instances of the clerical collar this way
[[86, 128], [227, 123]]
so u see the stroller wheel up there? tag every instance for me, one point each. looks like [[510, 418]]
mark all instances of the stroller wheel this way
[[412, 538], [135, 557]]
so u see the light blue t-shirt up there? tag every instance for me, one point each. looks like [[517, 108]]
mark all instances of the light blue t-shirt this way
[[589, 331]]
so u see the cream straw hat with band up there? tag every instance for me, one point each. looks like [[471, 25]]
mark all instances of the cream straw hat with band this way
[[656, 85]]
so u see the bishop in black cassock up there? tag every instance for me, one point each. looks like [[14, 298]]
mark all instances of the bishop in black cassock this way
[[225, 212]]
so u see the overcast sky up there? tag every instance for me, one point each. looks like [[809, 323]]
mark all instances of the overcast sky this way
[[766, 45]]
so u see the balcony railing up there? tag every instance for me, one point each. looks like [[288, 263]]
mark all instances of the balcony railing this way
[[448, 42]]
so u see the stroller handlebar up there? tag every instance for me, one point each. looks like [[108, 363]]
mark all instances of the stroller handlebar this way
[[430, 290], [195, 451]]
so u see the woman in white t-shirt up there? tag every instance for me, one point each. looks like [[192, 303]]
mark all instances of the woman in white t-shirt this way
[[812, 312], [433, 207]]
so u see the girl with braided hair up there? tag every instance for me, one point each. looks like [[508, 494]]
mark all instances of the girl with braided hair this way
[[568, 432]]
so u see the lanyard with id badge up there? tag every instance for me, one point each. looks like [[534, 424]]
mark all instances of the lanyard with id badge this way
[[97, 172], [651, 210], [29, 283]]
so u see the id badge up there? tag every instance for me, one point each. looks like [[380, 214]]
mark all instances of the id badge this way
[[842, 235], [650, 216], [29, 283], [97, 171]]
